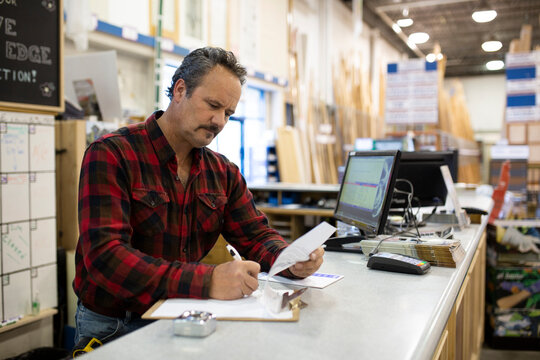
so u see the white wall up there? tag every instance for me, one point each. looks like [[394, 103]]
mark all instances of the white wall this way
[[486, 101], [272, 38], [328, 30]]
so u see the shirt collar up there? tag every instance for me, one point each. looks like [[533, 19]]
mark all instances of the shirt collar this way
[[163, 149]]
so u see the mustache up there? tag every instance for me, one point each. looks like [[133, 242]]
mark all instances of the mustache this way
[[211, 128]]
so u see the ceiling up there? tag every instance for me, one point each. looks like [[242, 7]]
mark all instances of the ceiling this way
[[449, 23]]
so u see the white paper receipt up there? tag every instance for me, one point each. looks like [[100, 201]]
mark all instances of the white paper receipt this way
[[300, 249]]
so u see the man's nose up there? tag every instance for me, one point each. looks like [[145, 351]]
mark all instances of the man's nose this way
[[220, 118]]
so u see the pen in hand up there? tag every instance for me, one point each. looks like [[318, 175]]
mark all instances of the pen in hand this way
[[234, 253]]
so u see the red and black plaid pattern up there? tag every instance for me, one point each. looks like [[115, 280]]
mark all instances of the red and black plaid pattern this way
[[142, 233]]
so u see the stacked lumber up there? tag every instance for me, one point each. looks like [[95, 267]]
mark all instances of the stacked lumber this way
[[319, 135], [290, 157], [455, 120], [523, 44]]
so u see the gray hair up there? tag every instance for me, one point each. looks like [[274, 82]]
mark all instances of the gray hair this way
[[199, 62]]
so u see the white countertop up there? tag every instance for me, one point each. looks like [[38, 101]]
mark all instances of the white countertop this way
[[369, 314]]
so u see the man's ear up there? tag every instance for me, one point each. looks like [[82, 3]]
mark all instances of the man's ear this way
[[179, 89]]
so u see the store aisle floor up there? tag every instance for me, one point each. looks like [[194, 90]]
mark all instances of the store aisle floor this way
[[493, 354]]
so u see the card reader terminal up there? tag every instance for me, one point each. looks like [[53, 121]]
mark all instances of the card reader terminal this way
[[398, 263]]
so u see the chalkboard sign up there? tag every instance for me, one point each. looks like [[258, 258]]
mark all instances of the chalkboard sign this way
[[31, 55]]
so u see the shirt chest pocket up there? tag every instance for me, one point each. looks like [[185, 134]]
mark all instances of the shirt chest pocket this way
[[149, 211], [211, 208]]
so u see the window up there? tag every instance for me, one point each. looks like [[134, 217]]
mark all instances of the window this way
[[243, 138]]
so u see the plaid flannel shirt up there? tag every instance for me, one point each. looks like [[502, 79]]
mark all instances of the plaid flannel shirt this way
[[142, 234]]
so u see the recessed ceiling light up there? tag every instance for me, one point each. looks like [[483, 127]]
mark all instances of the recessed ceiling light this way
[[484, 16], [419, 37], [405, 22], [396, 28], [431, 57], [492, 45], [495, 65]]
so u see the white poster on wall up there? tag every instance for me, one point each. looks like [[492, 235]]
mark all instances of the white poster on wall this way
[[522, 87], [412, 93]]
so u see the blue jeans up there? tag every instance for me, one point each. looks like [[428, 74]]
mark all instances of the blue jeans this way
[[104, 328]]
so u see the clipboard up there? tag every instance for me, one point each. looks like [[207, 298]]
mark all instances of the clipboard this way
[[175, 307]]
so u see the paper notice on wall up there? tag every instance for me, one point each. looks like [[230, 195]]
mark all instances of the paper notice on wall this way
[[412, 93]]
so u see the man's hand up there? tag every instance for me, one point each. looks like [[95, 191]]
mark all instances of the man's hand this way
[[306, 268], [234, 279]]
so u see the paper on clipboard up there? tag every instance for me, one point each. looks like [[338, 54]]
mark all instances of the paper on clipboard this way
[[249, 308], [262, 305], [317, 280]]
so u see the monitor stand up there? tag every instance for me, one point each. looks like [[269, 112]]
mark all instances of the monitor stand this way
[[337, 243]]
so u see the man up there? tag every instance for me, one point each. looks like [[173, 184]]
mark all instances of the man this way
[[153, 201]]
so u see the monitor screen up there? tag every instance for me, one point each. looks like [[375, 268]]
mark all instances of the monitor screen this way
[[422, 169], [366, 190]]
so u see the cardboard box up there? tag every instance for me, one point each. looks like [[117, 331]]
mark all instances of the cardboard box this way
[[517, 134], [534, 153], [533, 133]]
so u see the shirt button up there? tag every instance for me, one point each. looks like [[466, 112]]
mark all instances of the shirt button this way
[[153, 203], [177, 178], [184, 250]]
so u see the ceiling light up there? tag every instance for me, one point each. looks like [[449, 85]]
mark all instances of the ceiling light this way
[[419, 37], [411, 44], [495, 65], [396, 28], [439, 56], [431, 57], [484, 16], [492, 45], [405, 22]]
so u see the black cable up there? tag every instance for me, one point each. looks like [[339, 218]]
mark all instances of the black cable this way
[[376, 248]]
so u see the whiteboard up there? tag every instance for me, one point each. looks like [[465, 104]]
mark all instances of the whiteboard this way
[[43, 240], [17, 294], [15, 197], [44, 284], [15, 247], [42, 195], [27, 211], [13, 147], [42, 156]]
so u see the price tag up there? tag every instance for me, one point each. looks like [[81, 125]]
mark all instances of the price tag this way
[[167, 45], [129, 33]]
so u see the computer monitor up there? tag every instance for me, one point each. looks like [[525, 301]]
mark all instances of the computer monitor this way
[[422, 169], [366, 190]]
